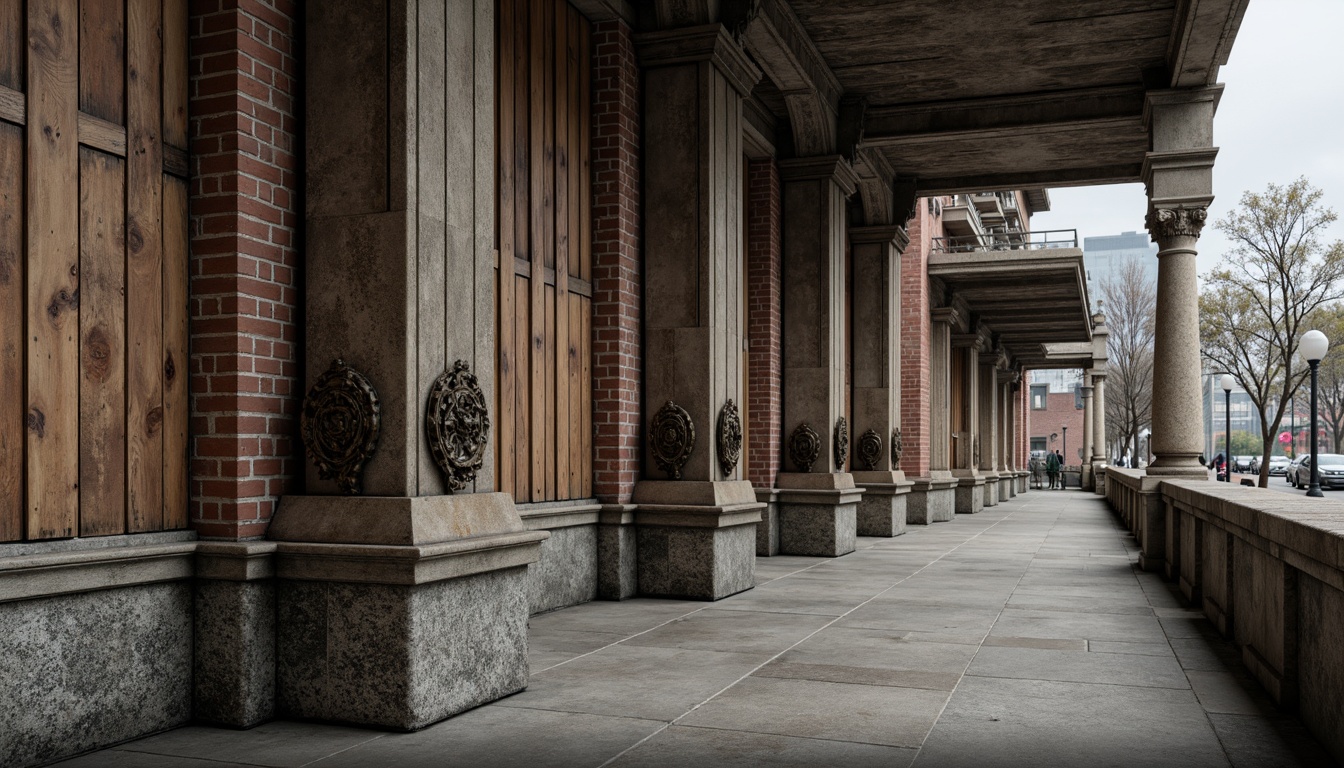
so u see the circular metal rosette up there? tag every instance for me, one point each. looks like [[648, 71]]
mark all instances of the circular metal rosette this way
[[804, 447], [339, 424], [870, 449], [841, 437], [457, 424], [897, 448], [729, 438], [672, 438]]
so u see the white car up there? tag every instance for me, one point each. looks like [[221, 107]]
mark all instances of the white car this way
[[1330, 474], [1278, 465]]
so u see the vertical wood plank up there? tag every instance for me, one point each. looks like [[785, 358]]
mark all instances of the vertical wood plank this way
[[560, 370], [11, 331], [102, 59], [579, 206], [11, 53], [522, 435], [175, 351], [585, 170], [504, 334], [175, 73], [102, 349], [53, 268], [522, 173], [144, 266], [586, 385], [549, 457], [578, 463], [537, 122]]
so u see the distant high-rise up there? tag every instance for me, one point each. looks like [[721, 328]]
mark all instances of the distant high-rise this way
[[1104, 256]]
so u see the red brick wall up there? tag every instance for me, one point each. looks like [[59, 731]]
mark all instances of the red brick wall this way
[[764, 322], [244, 287], [617, 423], [915, 341], [1059, 412]]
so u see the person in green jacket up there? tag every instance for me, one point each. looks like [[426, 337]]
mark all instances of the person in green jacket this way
[[1052, 469]]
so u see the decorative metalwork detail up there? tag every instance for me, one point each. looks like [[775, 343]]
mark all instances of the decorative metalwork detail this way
[[870, 449], [340, 422], [672, 438], [1176, 222], [897, 447], [804, 447], [457, 424], [841, 437], [729, 438]]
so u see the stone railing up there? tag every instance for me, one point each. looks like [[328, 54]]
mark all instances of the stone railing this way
[[1267, 568]]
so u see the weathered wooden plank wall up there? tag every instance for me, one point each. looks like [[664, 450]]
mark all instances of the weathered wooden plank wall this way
[[93, 267], [544, 283]]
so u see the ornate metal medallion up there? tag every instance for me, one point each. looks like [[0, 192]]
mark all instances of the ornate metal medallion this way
[[841, 437], [870, 449], [339, 424], [672, 438], [896, 447], [457, 424], [729, 438], [804, 447]]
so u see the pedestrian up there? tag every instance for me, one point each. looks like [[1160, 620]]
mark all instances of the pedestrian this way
[[1060, 458], [1052, 469]]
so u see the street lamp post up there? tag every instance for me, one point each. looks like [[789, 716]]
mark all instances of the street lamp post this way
[[1063, 455], [1313, 348], [1227, 412]]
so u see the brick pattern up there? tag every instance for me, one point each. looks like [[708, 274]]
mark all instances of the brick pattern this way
[[617, 288], [1059, 411], [916, 339], [244, 286], [764, 321]]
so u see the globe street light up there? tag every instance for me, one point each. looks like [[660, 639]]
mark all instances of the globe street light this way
[[1227, 411], [1313, 348]]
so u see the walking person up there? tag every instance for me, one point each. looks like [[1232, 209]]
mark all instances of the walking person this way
[[1059, 458], [1052, 469]]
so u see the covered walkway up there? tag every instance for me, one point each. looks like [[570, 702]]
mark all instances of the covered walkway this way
[[1022, 635]]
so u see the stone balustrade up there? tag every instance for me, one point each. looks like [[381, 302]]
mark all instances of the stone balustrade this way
[[1266, 568]]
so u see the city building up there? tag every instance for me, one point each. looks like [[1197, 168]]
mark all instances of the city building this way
[[1245, 416], [1055, 412], [1105, 255]]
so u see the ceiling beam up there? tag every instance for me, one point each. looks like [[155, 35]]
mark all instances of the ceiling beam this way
[[1201, 40], [779, 44]]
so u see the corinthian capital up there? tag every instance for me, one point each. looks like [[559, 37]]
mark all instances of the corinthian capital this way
[[1176, 222]]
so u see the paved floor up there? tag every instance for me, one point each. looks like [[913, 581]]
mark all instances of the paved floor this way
[[1021, 636]]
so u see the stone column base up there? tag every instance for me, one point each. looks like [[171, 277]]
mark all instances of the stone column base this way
[[1021, 485], [399, 612], [883, 507], [932, 500], [696, 539], [233, 668], [970, 496], [767, 532], [617, 576], [818, 513], [1099, 479]]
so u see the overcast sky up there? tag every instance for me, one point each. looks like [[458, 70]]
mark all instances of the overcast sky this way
[[1281, 116]]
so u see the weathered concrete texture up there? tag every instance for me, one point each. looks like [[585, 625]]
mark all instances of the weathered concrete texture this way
[[1321, 694], [696, 563], [566, 573], [818, 530], [400, 657], [234, 661], [970, 496], [991, 491], [882, 510], [617, 577], [767, 531], [931, 501], [86, 670]]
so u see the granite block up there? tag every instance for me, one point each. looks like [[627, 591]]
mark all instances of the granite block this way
[[970, 497], [767, 531], [696, 563], [818, 530], [233, 664], [617, 577], [881, 514], [566, 573], [86, 670]]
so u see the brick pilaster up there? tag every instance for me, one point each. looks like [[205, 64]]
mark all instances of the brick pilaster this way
[[916, 341], [764, 322]]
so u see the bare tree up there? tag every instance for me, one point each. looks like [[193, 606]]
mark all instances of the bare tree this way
[[1330, 387], [1254, 311], [1129, 297]]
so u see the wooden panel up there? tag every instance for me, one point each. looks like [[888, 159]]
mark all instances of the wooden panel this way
[[175, 334], [522, 407], [537, 138], [102, 59], [558, 371], [11, 50], [586, 388], [11, 331], [53, 268], [144, 267], [522, 244], [175, 73], [504, 388], [585, 172], [102, 351]]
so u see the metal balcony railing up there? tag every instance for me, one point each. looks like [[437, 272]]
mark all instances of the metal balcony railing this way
[[1007, 241]]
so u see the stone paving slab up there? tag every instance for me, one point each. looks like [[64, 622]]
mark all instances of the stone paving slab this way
[[1019, 636]]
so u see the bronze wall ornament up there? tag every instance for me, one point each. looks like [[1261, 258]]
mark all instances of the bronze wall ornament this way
[[339, 424], [870, 449], [729, 438], [897, 448], [672, 438], [457, 424], [841, 437], [804, 447]]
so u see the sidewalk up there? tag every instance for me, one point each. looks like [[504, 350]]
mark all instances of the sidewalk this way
[[1020, 636]]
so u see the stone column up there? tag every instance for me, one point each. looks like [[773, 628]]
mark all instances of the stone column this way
[[1100, 454], [818, 503], [399, 272], [1085, 457], [695, 522], [933, 497], [970, 494], [875, 253], [1178, 174], [989, 429]]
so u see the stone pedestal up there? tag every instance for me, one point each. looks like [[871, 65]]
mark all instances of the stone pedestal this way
[[991, 497], [970, 494], [696, 539], [233, 615], [882, 509], [616, 561], [931, 500], [767, 531], [818, 513], [397, 612]]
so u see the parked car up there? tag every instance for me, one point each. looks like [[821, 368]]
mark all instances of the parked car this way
[[1243, 463], [1330, 474], [1290, 472], [1278, 465]]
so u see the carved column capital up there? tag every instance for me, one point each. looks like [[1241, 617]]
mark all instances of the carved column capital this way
[[1164, 223]]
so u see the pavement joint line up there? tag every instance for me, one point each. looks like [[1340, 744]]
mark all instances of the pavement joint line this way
[[341, 751], [804, 639], [792, 736]]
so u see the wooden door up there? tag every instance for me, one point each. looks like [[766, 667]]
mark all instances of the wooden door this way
[[93, 267], [544, 276]]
